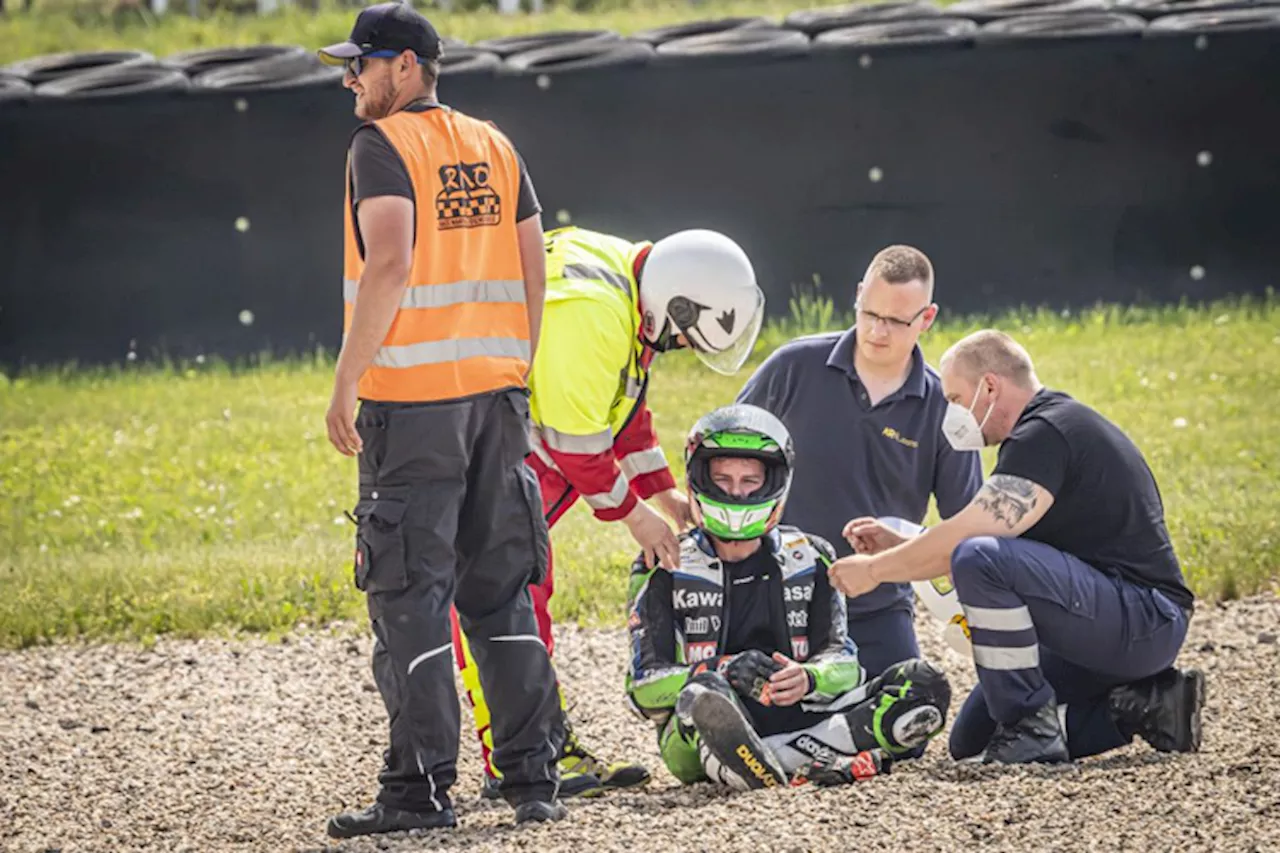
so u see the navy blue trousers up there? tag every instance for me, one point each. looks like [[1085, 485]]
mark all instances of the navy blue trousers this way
[[1047, 626], [884, 638]]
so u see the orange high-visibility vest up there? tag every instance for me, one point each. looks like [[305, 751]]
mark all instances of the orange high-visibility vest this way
[[463, 326]]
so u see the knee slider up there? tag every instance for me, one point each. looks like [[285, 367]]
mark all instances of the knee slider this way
[[909, 705]]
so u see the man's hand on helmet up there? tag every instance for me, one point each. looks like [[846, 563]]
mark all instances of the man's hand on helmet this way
[[653, 535]]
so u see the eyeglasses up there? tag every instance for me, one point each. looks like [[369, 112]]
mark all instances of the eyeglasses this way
[[355, 65], [893, 323]]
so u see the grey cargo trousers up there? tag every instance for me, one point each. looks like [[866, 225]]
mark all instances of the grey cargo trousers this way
[[450, 514]]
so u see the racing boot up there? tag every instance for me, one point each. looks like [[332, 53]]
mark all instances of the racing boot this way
[[732, 752], [1163, 708], [1036, 738], [577, 763]]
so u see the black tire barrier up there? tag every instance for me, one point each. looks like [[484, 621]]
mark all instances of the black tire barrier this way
[[662, 35], [754, 43], [42, 69], [510, 45], [263, 72], [468, 60], [1160, 8], [1062, 26], [1225, 21], [450, 43], [195, 62], [983, 11], [578, 56], [958, 32], [815, 21], [115, 80], [14, 89]]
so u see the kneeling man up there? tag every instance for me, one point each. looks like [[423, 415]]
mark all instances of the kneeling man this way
[[742, 655], [1075, 600]]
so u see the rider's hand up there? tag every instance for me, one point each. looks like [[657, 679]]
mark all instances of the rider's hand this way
[[653, 535], [870, 536], [791, 683], [749, 673]]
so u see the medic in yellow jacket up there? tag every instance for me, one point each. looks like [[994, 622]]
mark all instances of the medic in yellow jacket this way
[[611, 306]]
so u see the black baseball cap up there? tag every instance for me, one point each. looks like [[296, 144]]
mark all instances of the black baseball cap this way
[[386, 26]]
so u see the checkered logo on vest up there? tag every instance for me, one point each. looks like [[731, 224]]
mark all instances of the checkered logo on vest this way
[[466, 199]]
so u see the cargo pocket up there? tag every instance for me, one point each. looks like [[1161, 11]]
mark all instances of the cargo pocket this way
[[380, 559], [540, 539]]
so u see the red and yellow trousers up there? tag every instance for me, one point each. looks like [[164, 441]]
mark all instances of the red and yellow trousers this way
[[557, 497]]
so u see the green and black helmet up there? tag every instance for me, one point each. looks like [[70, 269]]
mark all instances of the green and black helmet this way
[[741, 431]]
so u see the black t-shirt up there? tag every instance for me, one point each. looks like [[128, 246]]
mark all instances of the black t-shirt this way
[[376, 169], [752, 596], [1107, 509]]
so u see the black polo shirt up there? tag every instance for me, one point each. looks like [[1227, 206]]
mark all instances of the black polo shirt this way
[[1106, 505], [855, 459]]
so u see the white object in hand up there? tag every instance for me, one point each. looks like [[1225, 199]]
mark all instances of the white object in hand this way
[[938, 596]]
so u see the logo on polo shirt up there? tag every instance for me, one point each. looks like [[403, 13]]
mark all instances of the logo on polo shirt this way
[[893, 435]]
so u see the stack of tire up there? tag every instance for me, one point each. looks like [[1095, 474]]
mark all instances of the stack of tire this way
[[115, 73]]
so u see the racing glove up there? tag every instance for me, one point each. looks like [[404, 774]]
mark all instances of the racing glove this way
[[747, 673]]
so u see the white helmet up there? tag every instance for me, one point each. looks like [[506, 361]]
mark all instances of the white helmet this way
[[700, 284]]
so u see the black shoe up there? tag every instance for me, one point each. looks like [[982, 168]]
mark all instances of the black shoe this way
[[732, 752], [1164, 709], [540, 811], [379, 818], [1035, 739]]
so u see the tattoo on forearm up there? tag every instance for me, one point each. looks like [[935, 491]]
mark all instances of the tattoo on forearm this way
[[1007, 498]]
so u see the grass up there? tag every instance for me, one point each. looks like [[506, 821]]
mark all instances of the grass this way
[[56, 27], [142, 500]]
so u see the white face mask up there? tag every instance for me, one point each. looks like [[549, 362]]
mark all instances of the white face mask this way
[[961, 426]]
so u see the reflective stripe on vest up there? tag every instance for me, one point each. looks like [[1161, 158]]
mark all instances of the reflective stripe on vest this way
[[565, 443], [444, 295], [462, 326]]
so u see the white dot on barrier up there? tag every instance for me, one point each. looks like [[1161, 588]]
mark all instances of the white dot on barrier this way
[[1197, 272], [875, 174], [1204, 158], [246, 317], [132, 356], [865, 60], [563, 217], [241, 105], [544, 82], [242, 224], [1202, 42]]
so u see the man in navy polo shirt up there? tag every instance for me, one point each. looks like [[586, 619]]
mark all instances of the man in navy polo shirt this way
[[866, 415]]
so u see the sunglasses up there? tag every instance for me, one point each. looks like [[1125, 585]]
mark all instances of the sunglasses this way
[[355, 65]]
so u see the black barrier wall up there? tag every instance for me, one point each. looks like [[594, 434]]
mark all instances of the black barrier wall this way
[[1040, 172]]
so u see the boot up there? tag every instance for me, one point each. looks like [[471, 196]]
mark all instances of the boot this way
[[378, 818], [1164, 709], [571, 785], [577, 761], [540, 811], [732, 752], [1036, 738]]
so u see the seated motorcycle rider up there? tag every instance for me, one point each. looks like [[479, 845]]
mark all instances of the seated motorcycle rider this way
[[742, 656]]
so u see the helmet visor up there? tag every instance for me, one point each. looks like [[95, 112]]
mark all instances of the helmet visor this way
[[729, 360]]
